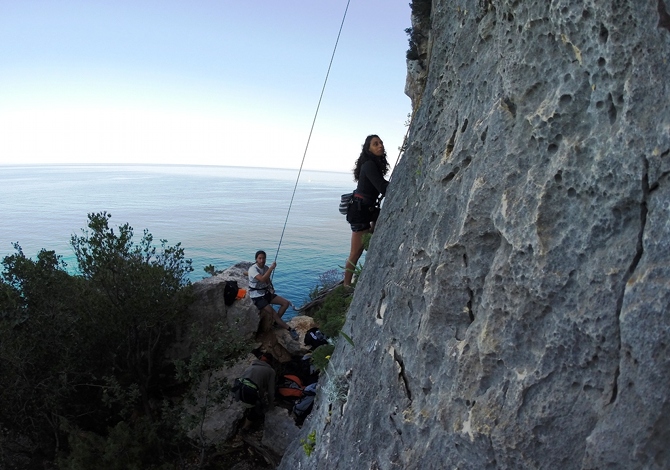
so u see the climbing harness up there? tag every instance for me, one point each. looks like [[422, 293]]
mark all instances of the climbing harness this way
[[323, 89]]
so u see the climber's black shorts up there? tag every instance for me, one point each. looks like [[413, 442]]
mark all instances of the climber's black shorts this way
[[360, 227], [361, 214]]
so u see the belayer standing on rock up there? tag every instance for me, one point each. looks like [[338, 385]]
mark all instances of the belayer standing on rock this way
[[262, 292], [256, 389], [369, 172]]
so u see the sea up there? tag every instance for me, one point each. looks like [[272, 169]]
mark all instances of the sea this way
[[220, 215]]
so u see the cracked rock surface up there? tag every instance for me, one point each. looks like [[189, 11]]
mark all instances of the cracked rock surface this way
[[513, 312]]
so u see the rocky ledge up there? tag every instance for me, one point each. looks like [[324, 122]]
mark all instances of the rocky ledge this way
[[223, 418]]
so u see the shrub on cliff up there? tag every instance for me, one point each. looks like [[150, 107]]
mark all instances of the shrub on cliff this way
[[42, 348], [327, 280], [332, 314], [421, 10], [140, 298], [85, 352]]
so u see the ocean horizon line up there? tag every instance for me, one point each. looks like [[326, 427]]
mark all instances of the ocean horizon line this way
[[188, 165]]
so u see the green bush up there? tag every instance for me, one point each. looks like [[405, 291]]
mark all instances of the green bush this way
[[321, 356], [421, 10], [327, 280], [42, 343], [413, 49], [138, 446], [142, 296], [332, 314], [85, 352]]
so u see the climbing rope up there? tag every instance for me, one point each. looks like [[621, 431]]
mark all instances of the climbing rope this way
[[403, 147], [316, 113]]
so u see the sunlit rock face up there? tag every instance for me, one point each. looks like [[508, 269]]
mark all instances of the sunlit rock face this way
[[513, 311]]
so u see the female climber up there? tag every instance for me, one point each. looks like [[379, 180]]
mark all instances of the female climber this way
[[369, 172]]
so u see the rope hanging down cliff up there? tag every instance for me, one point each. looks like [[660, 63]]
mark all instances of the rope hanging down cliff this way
[[316, 113]]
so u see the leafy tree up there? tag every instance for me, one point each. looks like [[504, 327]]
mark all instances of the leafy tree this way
[[141, 301], [81, 352], [41, 355]]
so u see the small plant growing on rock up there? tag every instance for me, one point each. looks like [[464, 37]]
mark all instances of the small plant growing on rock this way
[[336, 388], [211, 270], [309, 444], [321, 356], [331, 316], [326, 280]]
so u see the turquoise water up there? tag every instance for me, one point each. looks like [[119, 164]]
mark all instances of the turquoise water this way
[[221, 215]]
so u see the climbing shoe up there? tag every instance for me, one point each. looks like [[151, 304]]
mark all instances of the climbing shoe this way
[[293, 333]]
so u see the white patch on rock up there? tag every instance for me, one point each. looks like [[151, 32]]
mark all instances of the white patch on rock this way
[[467, 427], [380, 313]]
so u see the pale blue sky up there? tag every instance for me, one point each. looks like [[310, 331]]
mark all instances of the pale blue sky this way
[[200, 82]]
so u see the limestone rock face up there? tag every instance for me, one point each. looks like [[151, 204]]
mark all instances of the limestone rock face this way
[[417, 59], [514, 309]]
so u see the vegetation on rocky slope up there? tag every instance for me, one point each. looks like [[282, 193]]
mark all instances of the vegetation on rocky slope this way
[[85, 382]]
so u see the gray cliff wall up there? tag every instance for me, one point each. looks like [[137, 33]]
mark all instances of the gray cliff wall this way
[[513, 311]]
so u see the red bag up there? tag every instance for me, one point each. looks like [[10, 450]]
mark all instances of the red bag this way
[[291, 386]]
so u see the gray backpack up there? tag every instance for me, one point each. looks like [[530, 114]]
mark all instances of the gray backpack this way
[[303, 406]]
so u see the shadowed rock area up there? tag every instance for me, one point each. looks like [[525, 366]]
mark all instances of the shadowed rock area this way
[[513, 309]]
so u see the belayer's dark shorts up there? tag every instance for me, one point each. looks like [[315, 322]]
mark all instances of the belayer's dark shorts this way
[[264, 301]]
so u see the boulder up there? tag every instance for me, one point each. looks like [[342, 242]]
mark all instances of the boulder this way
[[279, 430], [208, 306], [209, 309], [223, 414]]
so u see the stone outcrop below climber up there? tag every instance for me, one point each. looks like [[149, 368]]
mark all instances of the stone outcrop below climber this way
[[242, 317], [513, 310], [222, 419]]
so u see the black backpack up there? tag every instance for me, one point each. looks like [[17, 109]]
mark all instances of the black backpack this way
[[230, 292], [246, 391], [314, 338]]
